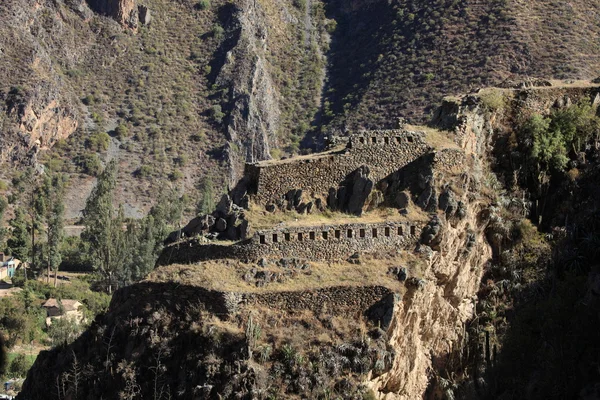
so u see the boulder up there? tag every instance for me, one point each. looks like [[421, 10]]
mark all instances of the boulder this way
[[144, 15], [360, 189], [233, 232], [208, 221], [402, 199], [447, 202], [221, 225], [381, 313], [430, 235], [224, 206], [243, 229], [193, 227], [354, 259]]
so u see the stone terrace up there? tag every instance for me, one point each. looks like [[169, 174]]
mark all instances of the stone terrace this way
[[318, 243], [383, 151]]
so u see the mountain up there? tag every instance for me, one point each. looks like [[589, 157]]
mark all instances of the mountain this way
[[205, 86]]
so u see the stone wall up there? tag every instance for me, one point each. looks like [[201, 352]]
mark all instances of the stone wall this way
[[384, 152], [316, 243], [334, 300], [331, 242], [331, 300], [450, 160]]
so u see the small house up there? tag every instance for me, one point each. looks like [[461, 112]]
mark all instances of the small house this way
[[62, 308], [8, 266]]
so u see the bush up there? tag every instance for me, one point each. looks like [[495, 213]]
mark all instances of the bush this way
[[217, 113], [492, 100], [64, 331], [176, 175], [218, 32], [88, 100], [98, 141], [91, 164], [203, 5], [145, 171], [122, 131], [19, 366]]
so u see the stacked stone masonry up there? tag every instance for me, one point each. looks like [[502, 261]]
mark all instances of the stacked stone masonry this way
[[383, 151], [333, 300], [326, 242]]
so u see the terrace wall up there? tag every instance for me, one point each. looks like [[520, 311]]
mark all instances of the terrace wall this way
[[384, 152], [315, 243]]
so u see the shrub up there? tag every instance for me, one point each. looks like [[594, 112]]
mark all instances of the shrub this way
[[218, 32], [203, 5], [19, 366], [55, 164], [122, 131], [181, 160], [145, 171], [217, 114], [176, 175], [90, 164], [492, 100], [98, 141], [330, 25]]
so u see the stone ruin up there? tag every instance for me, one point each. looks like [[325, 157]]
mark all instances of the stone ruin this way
[[366, 170]]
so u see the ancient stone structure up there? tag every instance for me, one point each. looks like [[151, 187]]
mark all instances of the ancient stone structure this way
[[383, 152], [371, 162], [332, 300], [323, 242]]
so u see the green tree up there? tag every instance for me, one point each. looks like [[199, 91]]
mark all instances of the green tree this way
[[63, 331], [18, 242], [547, 145], [103, 229], [54, 221], [19, 366], [206, 204]]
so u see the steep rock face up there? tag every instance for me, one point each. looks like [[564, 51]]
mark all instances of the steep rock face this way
[[41, 116], [124, 11], [273, 84], [429, 324], [40, 110], [254, 116]]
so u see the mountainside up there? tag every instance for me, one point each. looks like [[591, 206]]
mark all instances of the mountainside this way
[[198, 88]]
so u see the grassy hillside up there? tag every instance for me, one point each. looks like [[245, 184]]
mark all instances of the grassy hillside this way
[[167, 100], [399, 58]]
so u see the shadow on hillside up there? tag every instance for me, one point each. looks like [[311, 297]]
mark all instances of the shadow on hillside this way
[[352, 57], [226, 16], [140, 337]]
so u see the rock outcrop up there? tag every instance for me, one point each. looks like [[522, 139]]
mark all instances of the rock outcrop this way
[[254, 101], [123, 11]]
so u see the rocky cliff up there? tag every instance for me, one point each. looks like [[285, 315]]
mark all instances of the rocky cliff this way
[[123, 11]]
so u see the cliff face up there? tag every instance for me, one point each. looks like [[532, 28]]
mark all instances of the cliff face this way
[[123, 11], [254, 101], [428, 328], [260, 73]]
